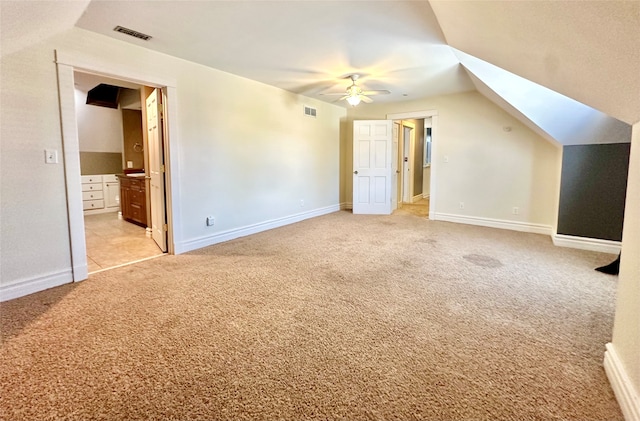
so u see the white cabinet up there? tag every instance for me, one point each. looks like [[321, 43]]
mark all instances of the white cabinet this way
[[100, 193], [111, 190]]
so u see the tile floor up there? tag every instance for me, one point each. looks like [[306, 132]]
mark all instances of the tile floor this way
[[113, 242]]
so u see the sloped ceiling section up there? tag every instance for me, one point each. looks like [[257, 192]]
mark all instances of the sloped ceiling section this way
[[566, 120], [500, 102], [23, 23], [586, 50]]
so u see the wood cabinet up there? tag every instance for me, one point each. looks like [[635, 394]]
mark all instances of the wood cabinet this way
[[133, 199]]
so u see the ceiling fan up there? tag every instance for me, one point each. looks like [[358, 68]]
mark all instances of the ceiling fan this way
[[355, 94]]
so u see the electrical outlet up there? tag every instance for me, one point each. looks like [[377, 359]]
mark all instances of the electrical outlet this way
[[446, 159], [210, 221], [461, 205], [50, 156], [302, 203], [516, 210]]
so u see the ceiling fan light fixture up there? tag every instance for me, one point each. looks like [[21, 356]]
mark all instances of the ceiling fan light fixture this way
[[353, 100]]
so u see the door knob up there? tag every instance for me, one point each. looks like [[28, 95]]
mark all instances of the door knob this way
[[355, 172]]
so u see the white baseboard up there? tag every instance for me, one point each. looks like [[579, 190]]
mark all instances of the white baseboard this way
[[29, 286], [583, 243], [623, 388], [223, 236], [493, 223], [416, 198]]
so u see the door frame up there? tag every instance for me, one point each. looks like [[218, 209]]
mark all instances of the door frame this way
[[434, 149], [66, 64], [396, 189]]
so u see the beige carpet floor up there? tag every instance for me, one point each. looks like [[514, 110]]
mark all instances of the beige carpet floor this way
[[339, 317]]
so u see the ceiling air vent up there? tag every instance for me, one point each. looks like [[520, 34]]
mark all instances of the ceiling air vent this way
[[131, 32], [310, 112]]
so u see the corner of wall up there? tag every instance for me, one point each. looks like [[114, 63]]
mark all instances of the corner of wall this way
[[622, 386]]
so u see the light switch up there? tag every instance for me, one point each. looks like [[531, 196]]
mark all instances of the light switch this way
[[50, 156]]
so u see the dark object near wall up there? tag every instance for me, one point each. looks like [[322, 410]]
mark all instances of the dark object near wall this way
[[104, 95], [593, 190], [612, 268]]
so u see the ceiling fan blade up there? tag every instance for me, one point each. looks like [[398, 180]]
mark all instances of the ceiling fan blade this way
[[366, 99], [333, 93], [376, 92]]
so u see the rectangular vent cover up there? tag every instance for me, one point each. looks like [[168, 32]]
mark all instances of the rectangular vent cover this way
[[131, 32], [310, 112]]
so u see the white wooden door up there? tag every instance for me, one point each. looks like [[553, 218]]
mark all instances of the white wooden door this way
[[372, 158], [156, 169]]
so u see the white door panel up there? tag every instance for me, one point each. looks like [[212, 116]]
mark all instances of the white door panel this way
[[156, 169], [372, 162]]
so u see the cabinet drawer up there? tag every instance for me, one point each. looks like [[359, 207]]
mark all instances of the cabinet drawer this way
[[110, 178], [137, 184], [92, 195], [91, 179], [92, 204], [137, 213], [137, 197], [92, 187]]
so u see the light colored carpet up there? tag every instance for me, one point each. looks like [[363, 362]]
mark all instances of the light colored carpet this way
[[339, 317]]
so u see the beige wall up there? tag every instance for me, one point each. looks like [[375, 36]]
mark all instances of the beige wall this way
[[133, 141], [99, 128], [245, 152], [489, 169], [626, 331]]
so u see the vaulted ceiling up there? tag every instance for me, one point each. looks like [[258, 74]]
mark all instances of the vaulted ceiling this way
[[586, 51]]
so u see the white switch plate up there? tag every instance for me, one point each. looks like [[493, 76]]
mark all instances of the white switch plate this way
[[50, 156]]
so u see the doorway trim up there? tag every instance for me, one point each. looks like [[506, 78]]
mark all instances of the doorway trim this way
[[434, 149], [66, 64], [408, 151]]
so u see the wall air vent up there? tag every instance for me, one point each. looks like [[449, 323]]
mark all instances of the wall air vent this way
[[131, 32], [310, 112]]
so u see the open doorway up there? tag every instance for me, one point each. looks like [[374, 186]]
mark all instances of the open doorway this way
[[121, 154], [414, 176]]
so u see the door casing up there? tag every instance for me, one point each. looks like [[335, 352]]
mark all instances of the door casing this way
[[434, 150], [66, 63]]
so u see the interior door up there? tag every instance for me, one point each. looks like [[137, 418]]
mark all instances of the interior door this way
[[372, 162], [156, 169]]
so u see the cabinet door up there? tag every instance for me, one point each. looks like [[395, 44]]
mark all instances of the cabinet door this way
[[111, 194], [125, 202]]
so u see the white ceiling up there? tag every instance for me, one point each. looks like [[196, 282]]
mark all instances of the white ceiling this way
[[307, 47], [588, 51]]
